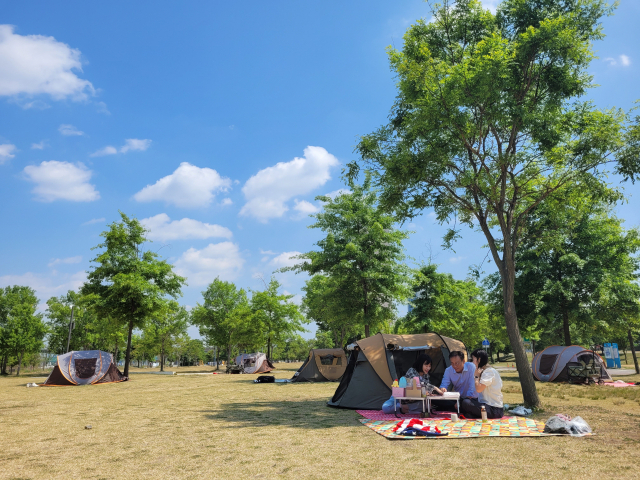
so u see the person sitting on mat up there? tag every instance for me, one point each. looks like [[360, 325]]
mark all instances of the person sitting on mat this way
[[488, 384], [458, 377], [420, 369]]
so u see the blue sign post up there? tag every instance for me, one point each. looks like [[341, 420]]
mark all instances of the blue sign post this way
[[485, 343]]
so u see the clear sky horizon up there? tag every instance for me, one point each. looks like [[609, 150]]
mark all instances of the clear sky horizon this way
[[216, 124]]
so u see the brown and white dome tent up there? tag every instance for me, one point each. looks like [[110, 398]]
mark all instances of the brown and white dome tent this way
[[254, 363], [550, 365], [322, 365], [87, 367], [376, 361]]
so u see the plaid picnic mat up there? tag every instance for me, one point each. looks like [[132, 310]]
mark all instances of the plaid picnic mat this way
[[501, 427]]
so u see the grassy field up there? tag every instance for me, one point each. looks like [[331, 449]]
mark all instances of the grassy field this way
[[225, 426]]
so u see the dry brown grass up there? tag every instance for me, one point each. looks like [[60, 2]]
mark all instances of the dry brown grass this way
[[225, 426]]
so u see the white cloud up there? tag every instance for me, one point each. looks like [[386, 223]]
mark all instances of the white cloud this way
[[491, 5], [189, 186], [456, 259], [286, 259], [66, 261], [38, 146], [61, 181], [69, 130], [95, 220], [6, 152], [622, 60], [267, 252], [131, 144], [35, 64], [335, 193], [304, 208], [135, 144], [108, 150], [226, 202], [161, 228], [201, 267], [102, 108], [46, 286], [268, 190]]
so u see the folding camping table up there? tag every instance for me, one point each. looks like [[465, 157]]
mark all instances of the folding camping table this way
[[421, 399], [447, 396]]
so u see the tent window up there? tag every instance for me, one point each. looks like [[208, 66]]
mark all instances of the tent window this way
[[329, 360], [546, 364], [85, 367]]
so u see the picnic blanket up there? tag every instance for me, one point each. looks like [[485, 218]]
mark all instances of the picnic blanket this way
[[501, 427]]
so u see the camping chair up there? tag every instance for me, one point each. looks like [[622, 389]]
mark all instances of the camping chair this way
[[584, 372]]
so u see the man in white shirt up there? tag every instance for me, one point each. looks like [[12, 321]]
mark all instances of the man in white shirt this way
[[488, 384]]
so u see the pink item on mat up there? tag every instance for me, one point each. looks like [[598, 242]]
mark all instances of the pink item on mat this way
[[619, 384]]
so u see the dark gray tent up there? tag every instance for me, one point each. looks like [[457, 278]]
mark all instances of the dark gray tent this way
[[376, 361], [322, 365]]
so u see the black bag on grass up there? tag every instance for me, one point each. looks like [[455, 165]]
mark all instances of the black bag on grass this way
[[265, 379]]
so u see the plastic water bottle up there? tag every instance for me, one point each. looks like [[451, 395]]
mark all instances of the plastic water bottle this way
[[483, 414]]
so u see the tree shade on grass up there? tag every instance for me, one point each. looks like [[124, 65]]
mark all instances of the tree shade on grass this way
[[487, 126]]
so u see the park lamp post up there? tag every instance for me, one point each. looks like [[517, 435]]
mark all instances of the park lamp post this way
[[71, 326]]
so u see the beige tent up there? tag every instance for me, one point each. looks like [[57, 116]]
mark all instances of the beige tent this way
[[376, 361], [322, 365], [254, 362]]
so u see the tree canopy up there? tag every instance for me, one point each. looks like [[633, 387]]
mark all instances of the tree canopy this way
[[129, 285], [488, 125]]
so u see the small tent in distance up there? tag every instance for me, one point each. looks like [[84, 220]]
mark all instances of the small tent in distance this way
[[555, 364], [322, 365], [376, 361], [87, 367], [254, 363]]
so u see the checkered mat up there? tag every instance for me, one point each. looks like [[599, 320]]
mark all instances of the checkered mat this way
[[504, 427]]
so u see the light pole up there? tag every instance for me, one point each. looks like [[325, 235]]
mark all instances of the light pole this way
[[71, 325]]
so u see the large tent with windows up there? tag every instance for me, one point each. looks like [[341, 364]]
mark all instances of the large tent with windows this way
[[376, 361], [87, 367], [322, 365], [254, 363], [552, 364]]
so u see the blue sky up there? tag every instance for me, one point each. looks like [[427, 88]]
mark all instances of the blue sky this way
[[216, 123]]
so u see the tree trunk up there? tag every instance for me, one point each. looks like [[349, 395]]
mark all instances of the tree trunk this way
[[3, 367], [527, 382], [162, 359], [19, 363], [565, 323], [127, 357], [229, 354], [633, 351]]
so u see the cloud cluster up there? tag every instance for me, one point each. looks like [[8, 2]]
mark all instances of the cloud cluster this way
[[286, 259], [61, 181], [621, 60], [38, 146], [46, 286], [201, 267], [130, 145], [65, 261], [35, 64], [163, 229], [268, 191], [69, 130], [6, 152], [188, 187]]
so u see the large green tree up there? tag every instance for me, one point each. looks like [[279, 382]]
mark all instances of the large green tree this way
[[21, 328], [576, 273], [324, 303], [276, 316], [163, 327], [59, 315], [362, 255], [224, 318], [451, 307], [487, 125], [129, 285]]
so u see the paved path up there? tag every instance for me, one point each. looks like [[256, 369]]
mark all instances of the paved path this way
[[619, 372]]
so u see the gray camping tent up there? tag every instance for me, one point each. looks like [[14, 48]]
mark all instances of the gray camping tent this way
[[322, 365], [86, 367], [550, 365], [376, 361]]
